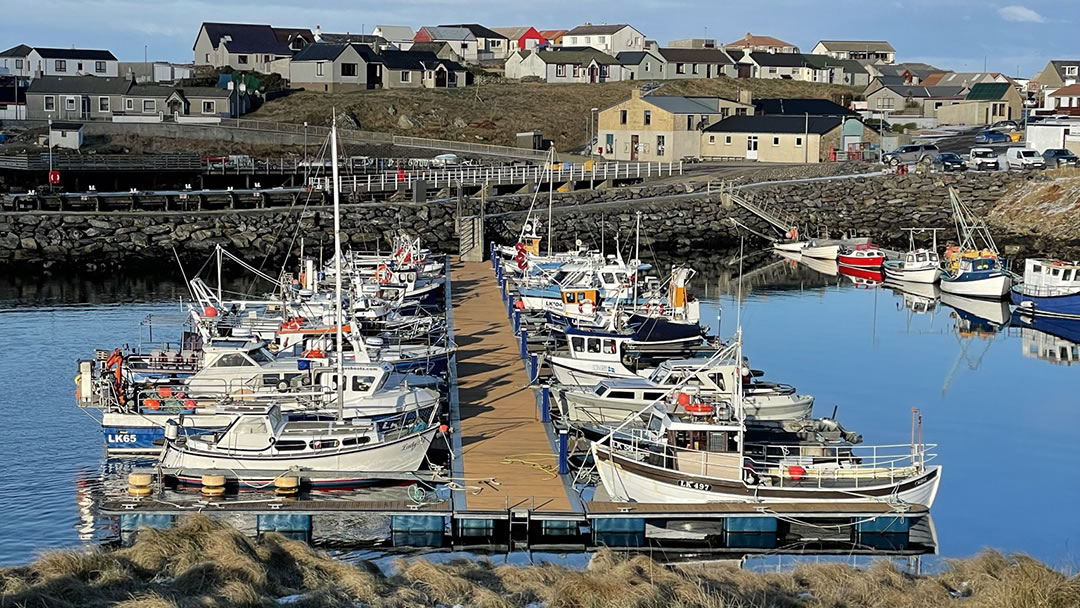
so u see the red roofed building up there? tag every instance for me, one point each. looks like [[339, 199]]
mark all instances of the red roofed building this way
[[524, 37], [761, 44]]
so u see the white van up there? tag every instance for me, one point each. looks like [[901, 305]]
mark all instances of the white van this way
[[445, 160], [1023, 158]]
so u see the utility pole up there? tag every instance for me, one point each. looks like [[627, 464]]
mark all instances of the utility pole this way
[[806, 140]]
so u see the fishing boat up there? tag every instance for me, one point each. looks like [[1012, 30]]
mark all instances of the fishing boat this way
[[260, 445], [862, 256], [918, 265], [593, 356], [821, 249], [973, 268], [677, 461], [1050, 288]]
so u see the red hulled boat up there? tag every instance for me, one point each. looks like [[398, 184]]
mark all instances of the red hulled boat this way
[[862, 256]]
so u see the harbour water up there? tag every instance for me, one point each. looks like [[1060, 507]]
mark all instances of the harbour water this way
[[1002, 410]]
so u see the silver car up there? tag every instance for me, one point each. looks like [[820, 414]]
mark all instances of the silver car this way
[[910, 154]]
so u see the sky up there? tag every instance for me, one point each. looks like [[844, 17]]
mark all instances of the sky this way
[[951, 34]]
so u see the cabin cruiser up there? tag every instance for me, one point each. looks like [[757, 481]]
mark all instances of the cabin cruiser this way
[[1050, 288], [261, 444], [716, 382]]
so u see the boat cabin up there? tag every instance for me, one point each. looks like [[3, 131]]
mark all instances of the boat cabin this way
[[920, 258], [719, 377], [360, 380], [703, 449], [1046, 278]]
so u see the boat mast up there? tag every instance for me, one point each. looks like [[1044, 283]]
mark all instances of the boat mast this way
[[219, 274], [551, 194], [637, 258], [337, 270]]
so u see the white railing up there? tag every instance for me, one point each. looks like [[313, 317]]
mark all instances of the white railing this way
[[564, 172]]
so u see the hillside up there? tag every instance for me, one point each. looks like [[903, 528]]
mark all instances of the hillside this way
[[495, 112]]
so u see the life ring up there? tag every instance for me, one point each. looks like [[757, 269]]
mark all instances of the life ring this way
[[520, 247], [699, 409], [383, 274], [522, 263], [291, 324], [582, 306], [796, 473], [316, 445], [658, 307]]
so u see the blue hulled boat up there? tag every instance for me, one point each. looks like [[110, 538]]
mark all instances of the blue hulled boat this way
[[1050, 288]]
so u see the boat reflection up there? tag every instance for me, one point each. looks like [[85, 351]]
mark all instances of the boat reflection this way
[[822, 266], [863, 278], [1050, 339], [919, 298], [976, 321]]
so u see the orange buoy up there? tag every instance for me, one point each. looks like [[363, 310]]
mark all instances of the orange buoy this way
[[152, 404], [700, 409], [796, 472], [683, 399], [519, 304], [209, 312], [164, 392], [189, 404], [443, 428]]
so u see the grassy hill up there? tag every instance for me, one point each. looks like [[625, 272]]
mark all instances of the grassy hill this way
[[494, 112]]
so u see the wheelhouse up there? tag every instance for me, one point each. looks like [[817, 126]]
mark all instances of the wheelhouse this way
[[1047, 278]]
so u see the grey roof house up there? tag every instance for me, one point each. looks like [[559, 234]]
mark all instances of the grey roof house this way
[[97, 98], [680, 63], [641, 65], [242, 47]]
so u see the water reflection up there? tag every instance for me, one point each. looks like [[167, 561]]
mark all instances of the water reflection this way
[[1048, 339]]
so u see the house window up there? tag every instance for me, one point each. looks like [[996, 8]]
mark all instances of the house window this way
[[648, 117], [646, 66], [209, 107], [727, 140], [50, 103], [798, 142], [18, 64], [680, 68], [886, 103], [660, 145], [689, 122], [208, 58], [695, 69], [69, 103], [775, 141], [712, 139], [772, 70], [406, 76], [573, 40], [241, 59], [78, 67], [266, 59], [319, 69], [601, 39], [103, 104], [740, 111], [723, 113], [622, 117], [60, 65], [129, 105], [99, 67], [560, 70], [1071, 70], [149, 106], [604, 71], [587, 40]]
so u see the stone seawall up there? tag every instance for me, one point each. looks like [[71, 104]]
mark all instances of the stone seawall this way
[[677, 218]]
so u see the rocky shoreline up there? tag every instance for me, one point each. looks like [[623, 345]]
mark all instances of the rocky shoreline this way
[[677, 218]]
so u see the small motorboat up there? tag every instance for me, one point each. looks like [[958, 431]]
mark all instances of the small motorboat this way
[[822, 250], [863, 256], [1050, 288], [790, 246], [918, 265]]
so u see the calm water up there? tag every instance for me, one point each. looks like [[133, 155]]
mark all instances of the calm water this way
[[1005, 420]]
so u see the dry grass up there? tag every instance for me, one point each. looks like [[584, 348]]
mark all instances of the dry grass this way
[[203, 563], [1045, 209], [561, 111]]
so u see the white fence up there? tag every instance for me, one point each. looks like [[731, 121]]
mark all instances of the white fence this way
[[493, 176]]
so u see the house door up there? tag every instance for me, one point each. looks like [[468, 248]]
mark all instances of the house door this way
[[440, 79], [744, 70], [594, 74], [84, 111], [751, 147], [633, 147], [708, 70]]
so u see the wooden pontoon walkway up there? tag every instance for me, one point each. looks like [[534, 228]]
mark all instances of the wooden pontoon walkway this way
[[499, 418]]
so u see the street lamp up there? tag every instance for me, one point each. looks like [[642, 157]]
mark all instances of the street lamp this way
[[306, 164], [592, 113]]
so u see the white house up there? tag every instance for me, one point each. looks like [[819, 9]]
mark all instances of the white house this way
[[610, 39], [401, 36], [32, 62], [873, 51], [489, 43], [16, 61], [68, 135], [460, 39]]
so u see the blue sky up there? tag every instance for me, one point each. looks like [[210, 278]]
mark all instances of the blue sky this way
[[952, 34]]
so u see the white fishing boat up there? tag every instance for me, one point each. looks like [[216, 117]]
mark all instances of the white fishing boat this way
[[918, 265], [821, 249]]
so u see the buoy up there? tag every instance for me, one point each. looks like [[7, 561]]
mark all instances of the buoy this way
[[700, 409], [519, 304], [443, 428], [164, 392], [152, 404], [286, 485], [796, 472], [213, 484], [209, 312], [139, 484], [189, 404], [683, 399]]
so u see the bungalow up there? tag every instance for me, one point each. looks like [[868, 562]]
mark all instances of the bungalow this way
[[523, 37], [873, 51], [640, 65], [913, 100], [334, 67], [785, 66], [985, 104], [205, 101], [417, 69], [489, 43], [565, 65], [682, 63], [783, 139], [661, 127], [1065, 100], [460, 39], [761, 44], [553, 37], [1059, 73], [400, 36], [610, 39], [96, 98], [34, 62], [839, 71], [243, 47]]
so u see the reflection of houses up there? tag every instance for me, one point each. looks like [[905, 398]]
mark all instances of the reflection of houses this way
[[1048, 347], [564, 65], [661, 127], [94, 98]]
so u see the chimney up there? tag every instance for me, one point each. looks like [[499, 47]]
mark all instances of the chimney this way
[[635, 93], [746, 96], [318, 33], [747, 35]]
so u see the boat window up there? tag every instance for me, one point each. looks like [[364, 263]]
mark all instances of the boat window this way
[[275, 417], [607, 277], [622, 278], [261, 356], [290, 445], [252, 427], [921, 257], [718, 379], [570, 297], [719, 442], [361, 384], [933, 257], [233, 360], [910, 258], [600, 390], [982, 265], [620, 395], [1056, 272], [578, 344], [651, 395], [270, 379], [609, 347], [1066, 275], [1036, 268], [656, 423], [594, 345], [355, 441]]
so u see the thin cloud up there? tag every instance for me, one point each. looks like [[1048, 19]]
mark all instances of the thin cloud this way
[[1021, 14]]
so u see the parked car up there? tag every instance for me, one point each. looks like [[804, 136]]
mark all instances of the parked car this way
[[1005, 126], [910, 153], [991, 137], [445, 160], [1060, 157], [948, 161], [983, 159], [1023, 158]]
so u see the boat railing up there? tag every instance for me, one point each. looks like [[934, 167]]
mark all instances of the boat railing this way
[[1048, 291]]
